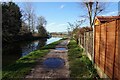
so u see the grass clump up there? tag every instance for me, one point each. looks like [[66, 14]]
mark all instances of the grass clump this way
[[23, 65], [80, 65]]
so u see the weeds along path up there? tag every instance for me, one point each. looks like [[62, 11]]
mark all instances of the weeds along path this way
[[53, 65], [80, 65]]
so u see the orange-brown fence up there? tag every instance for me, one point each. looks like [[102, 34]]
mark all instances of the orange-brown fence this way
[[106, 47]]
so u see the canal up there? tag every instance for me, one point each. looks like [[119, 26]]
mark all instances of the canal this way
[[14, 51]]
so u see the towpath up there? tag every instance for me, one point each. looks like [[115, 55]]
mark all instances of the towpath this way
[[58, 67]]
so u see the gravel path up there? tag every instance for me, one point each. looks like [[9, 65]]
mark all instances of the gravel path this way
[[39, 71]]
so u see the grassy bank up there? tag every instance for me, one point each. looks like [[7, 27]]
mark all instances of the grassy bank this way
[[52, 46], [26, 63], [80, 65]]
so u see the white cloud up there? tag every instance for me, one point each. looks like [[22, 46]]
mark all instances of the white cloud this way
[[51, 24], [61, 25], [114, 13], [54, 24], [54, 27], [62, 6]]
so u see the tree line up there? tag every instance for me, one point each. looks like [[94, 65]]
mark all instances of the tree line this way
[[20, 24]]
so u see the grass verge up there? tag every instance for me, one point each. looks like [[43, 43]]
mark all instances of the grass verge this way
[[23, 65], [80, 65], [52, 46]]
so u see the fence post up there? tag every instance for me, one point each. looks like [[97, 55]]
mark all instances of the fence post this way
[[94, 36], [79, 40], [84, 42]]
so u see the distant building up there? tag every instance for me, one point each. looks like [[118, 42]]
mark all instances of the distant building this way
[[102, 19]]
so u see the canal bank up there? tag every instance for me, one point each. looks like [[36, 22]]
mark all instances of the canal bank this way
[[54, 61], [23, 66], [14, 51]]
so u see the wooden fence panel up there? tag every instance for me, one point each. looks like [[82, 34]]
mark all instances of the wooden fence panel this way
[[110, 48], [107, 49], [85, 42], [82, 40], [119, 48], [102, 46], [90, 43], [116, 66], [97, 41]]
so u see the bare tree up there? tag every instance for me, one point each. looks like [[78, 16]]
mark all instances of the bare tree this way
[[29, 15], [33, 22], [41, 23], [93, 9], [76, 24]]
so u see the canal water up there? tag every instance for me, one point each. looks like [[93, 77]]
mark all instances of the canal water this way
[[14, 51]]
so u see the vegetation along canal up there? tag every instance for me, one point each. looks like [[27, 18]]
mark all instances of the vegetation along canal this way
[[14, 51]]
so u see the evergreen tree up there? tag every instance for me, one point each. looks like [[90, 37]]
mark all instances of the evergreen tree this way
[[11, 20]]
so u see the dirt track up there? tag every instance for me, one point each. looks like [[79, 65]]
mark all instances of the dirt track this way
[[39, 71]]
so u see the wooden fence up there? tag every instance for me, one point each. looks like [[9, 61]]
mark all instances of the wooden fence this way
[[106, 55], [106, 47], [86, 41]]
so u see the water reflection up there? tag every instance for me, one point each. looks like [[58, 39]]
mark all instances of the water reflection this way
[[53, 63], [41, 43], [12, 52]]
